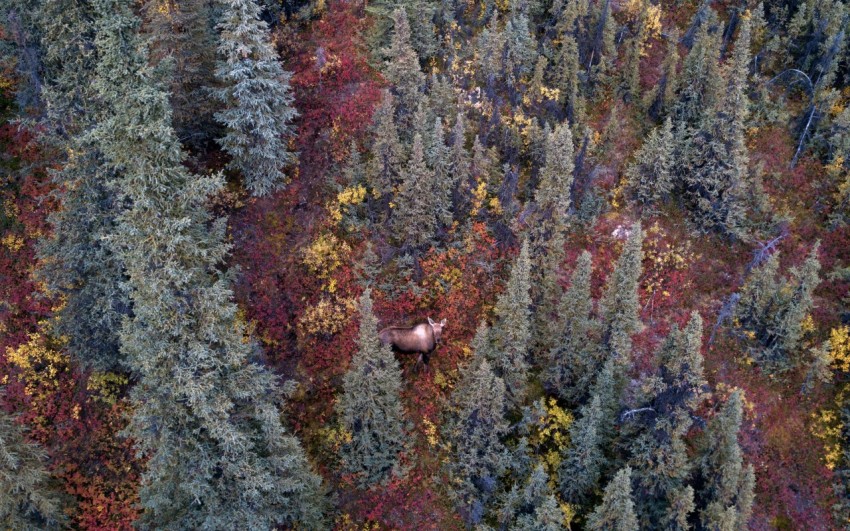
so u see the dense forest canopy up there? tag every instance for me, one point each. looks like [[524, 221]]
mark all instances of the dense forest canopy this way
[[621, 226]]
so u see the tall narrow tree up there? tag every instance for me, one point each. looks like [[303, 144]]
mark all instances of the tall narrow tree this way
[[206, 417], [474, 429], [27, 499], [620, 306], [370, 405], [617, 510], [511, 332], [257, 99]]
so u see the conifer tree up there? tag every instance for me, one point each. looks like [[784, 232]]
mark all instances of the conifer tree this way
[[511, 332], [416, 210], [475, 428], [402, 66], [700, 79], [257, 99], [716, 178], [440, 160], [772, 308], [549, 228], [206, 418], [520, 47], [617, 510], [181, 40], [573, 361], [619, 307], [461, 169], [370, 405], [649, 177], [567, 80], [535, 507], [662, 97], [27, 500], [384, 168], [659, 452], [75, 260], [582, 463], [727, 495]]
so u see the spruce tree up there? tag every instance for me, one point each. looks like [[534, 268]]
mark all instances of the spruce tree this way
[[771, 309], [74, 258], [511, 332], [717, 157], [700, 80], [257, 99], [567, 80], [659, 451], [416, 209], [439, 157], [536, 508], [181, 40], [461, 170], [27, 499], [649, 177], [620, 306], [574, 360], [205, 416], [549, 229], [474, 428], [726, 497], [617, 510], [384, 168], [370, 406], [402, 66], [583, 461], [662, 97]]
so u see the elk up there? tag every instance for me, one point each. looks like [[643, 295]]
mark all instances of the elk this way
[[420, 339]]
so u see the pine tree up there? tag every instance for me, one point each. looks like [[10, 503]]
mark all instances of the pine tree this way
[[370, 406], [383, 170], [257, 99], [574, 360], [700, 79], [583, 461], [659, 451], [535, 508], [416, 210], [649, 177], [27, 500], [556, 178], [617, 510], [181, 40], [402, 66], [567, 80], [772, 309], [461, 170], [662, 97], [727, 494], [439, 159], [206, 418], [75, 261], [716, 178], [475, 428], [511, 332], [620, 306]]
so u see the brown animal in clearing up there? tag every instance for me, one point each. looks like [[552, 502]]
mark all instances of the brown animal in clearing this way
[[421, 339]]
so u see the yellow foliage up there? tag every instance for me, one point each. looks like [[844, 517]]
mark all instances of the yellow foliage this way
[[13, 242], [664, 258], [106, 386], [839, 341], [552, 436], [827, 427], [353, 195], [430, 432], [38, 363], [329, 316], [325, 255], [479, 194]]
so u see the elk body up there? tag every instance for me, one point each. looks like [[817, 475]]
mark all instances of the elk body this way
[[421, 339]]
